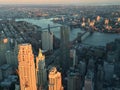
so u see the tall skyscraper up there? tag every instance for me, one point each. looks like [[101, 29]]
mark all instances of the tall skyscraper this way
[[65, 52], [26, 67], [47, 40], [55, 81], [41, 74]]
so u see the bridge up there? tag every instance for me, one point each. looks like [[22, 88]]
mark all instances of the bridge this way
[[85, 35], [53, 59], [81, 37], [49, 27], [69, 25]]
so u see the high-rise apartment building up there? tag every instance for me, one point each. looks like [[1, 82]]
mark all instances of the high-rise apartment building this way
[[41, 74], [26, 67], [55, 80]]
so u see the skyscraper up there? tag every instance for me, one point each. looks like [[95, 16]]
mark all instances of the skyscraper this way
[[41, 74], [55, 81], [65, 53], [47, 40], [26, 67]]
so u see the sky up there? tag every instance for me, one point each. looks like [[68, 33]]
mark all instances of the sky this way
[[58, 1]]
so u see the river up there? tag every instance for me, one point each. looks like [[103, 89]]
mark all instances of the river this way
[[97, 39]]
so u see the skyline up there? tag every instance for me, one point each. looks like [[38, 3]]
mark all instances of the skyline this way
[[59, 2]]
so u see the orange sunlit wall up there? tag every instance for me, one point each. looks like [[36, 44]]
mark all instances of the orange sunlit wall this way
[[26, 67]]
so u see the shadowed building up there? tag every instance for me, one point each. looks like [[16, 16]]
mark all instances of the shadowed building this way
[[55, 80], [26, 67], [11, 56], [74, 79], [4, 46], [65, 53], [41, 74], [47, 40], [98, 77], [15, 51], [88, 84]]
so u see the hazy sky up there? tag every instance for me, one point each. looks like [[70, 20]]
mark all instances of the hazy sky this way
[[57, 1]]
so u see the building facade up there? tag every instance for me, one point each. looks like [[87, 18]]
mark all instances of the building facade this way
[[47, 40], [41, 74], [64, 46], [26, 67], [55, 81]]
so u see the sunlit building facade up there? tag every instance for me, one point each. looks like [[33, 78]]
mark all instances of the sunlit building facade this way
[[26, 67], [55, 80], [98, 18], [106, 21]]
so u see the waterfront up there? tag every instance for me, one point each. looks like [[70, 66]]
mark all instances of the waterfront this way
[[97, 39]]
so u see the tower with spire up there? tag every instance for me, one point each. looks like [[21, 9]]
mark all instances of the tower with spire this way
[[41, 74]]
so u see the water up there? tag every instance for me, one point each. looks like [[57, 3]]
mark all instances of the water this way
[[43, 23], [40, 22], [97, 39], [100, 39]]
